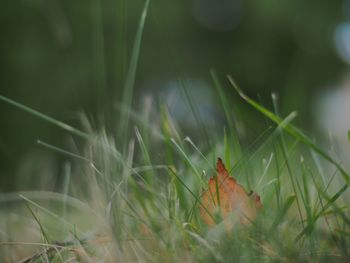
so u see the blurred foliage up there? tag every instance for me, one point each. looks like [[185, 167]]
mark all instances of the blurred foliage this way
[[61, 56]]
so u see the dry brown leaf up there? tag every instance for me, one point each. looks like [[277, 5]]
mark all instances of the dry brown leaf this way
[[227, 197]]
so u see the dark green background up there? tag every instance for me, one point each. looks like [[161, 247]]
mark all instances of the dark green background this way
[[61, 57]]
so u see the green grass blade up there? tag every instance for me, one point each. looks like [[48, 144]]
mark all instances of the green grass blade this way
[[306, 193], [191, 192], [188, 160], [268, 164], [47, 211], [330, 203], [184, 88], [282, 212], [149, 177], [237, 149], [330, 200], [143, 146], [188, 139], [121, 47], [98, 45], [283, 146], [62, 151], [47, 118], [42, 229], [227, 151], [292, 130], [131, 75], [67, 170]]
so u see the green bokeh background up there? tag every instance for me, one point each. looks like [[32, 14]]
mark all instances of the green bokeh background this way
[[62, 56]]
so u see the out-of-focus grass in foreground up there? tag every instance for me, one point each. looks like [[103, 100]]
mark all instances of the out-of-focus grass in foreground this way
[[139, 201]]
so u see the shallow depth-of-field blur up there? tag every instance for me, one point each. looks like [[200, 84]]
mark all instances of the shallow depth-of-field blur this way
[[114, 113]]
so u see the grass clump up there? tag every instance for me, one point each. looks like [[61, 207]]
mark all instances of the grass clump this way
[[139, 201]]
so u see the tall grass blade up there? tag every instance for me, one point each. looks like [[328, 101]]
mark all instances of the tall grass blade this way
[[131, 75], [227, 151], [98, 45], [330, 202], [121, 38], [283, 146], [191, 192], [47, 118], [42, 229], [194, 110], [237, 150], [188, 139], [62, 151], [292, 130], [47, 211], [146, 157], [188, 160], [282, 212]]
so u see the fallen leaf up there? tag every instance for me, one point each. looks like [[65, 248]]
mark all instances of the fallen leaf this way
[[228, 199]]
